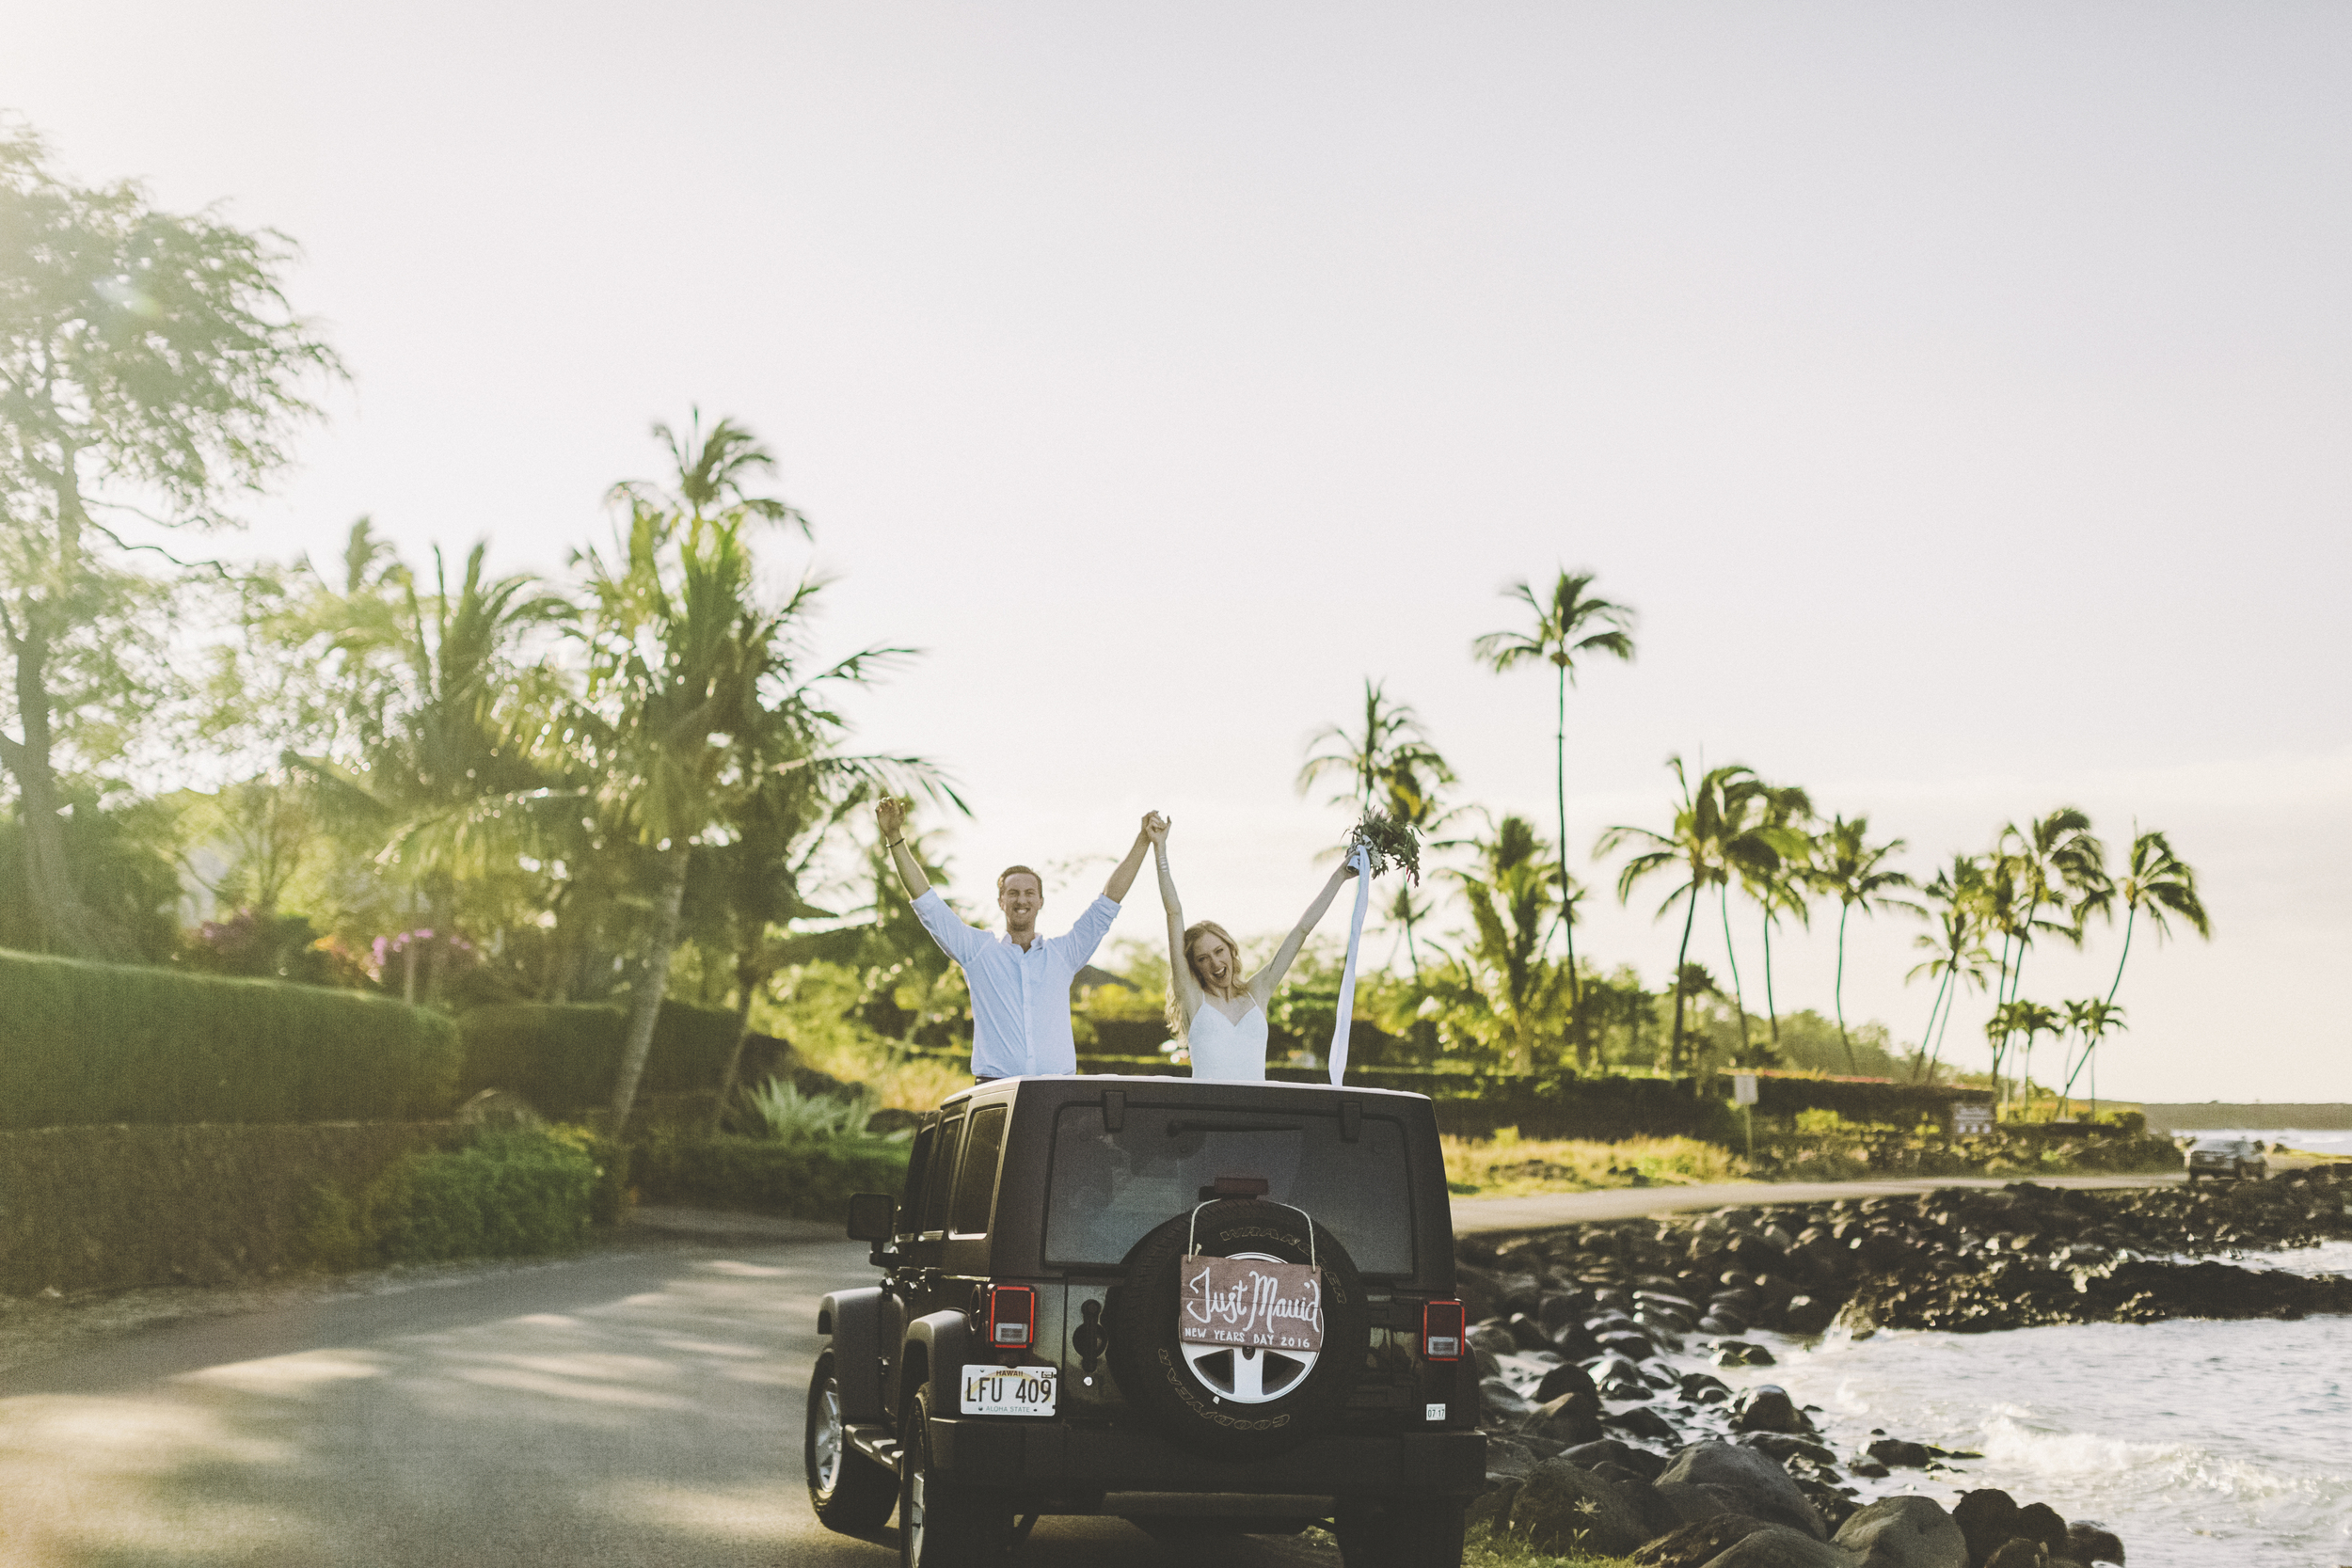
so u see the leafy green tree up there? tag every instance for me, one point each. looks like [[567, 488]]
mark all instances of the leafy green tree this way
[[2165, 885], [1501, 983], [1570, 625], [1715, 831], [1846, 866], [150, 368]]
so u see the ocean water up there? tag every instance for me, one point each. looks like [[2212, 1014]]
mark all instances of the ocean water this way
[[2198, 1443]]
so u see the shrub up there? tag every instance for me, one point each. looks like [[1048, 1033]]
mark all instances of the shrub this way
[[88, 1043], [509, 1194], [567, 1057], [118, 1207], [812, 1180], [788, 1117]]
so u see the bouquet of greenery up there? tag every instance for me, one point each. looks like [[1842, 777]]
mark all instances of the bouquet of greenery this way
[[1387, 841]]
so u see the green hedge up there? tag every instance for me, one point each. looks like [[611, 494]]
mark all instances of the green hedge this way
[[1902, 1105], [565, 1058], [813, 1182], [508, 1195], [85, 1043], [112, 1208]]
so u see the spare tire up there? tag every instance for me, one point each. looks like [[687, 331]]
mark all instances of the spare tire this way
[[1231, 1403]]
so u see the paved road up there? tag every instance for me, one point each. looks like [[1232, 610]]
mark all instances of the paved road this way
[[619, 1410], [1475, 1215]]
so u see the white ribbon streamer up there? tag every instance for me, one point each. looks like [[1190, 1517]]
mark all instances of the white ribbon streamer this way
[[1361, 861]]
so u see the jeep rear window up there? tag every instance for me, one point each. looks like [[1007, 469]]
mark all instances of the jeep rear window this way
[[1108, 1189]]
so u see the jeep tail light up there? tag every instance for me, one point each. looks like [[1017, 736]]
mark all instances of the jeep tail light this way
[[1011, 1317], [1441, 1331]]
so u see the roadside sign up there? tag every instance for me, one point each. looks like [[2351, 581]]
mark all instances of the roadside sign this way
[[1972, 1118], [1743, 1088]]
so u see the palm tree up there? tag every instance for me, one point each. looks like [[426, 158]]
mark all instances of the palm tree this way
[[2093, 1019], [2053, 861], [1711, 837], [1408, 793], [679, 651], [1503, 971], [2032, 1019], [1958, 957], [2162, 883], [444, 713], [786, 792], [1848, 867], [1389, 742], [1569, 627], [1780, 886]]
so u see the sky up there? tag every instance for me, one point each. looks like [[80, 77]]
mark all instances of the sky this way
[[1957, 394]]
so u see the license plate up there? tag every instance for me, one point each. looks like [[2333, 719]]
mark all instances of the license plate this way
[[1008, 1391]]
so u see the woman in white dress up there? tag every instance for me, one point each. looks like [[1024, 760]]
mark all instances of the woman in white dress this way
[[1220, 1015]]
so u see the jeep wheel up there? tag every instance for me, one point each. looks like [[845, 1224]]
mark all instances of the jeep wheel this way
[[850, 1491], [1423, 1532], [1233, 1403], [942, 1525]]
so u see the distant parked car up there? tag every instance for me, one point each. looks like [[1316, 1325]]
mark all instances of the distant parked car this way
[[2238, 1157]]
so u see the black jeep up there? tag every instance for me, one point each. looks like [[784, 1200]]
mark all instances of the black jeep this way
[[1059, 1329]]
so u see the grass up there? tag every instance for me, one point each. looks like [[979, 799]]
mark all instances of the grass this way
[[1507, 1166]]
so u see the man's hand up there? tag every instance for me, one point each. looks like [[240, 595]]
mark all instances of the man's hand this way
[[1123, 873], [890, 813], [1155, 828]]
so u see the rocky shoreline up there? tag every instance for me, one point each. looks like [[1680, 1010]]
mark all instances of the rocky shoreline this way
[[1599, 1442]]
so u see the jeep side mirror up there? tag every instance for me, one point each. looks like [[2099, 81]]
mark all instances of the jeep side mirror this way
[[872, 1217]]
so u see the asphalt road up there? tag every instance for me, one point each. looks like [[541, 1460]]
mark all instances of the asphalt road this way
[[617, 1410]]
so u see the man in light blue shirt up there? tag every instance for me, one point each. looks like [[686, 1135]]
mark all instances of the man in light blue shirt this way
[[1020, 981]]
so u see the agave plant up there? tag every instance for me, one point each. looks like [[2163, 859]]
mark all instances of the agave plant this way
[[799, 1119]]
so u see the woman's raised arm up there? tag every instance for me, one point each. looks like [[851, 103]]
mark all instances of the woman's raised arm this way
[[1180, 979], [1263, 984]]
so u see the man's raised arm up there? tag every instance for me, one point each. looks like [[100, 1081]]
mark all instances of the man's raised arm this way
[[890, 812]]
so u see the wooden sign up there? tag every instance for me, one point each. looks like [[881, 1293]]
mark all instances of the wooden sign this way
[[1249, 1303]]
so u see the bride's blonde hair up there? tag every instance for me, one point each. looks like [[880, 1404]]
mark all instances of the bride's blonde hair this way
[[1177, 1023]]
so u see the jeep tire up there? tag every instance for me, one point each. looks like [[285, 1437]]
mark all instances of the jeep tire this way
[[1148, 1363], [850, 1491], [942, 1524]]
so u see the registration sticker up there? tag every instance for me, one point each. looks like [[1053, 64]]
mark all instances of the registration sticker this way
[[1008, 1391]]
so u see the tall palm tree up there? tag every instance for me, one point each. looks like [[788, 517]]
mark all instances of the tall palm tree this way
[[679, 651], [2162, 883], [2031, 1021], [1570, 625], [1846, 866], [1958, 956], [1780, 886], [1711, 835], [2053, 862], [2093, 1019]]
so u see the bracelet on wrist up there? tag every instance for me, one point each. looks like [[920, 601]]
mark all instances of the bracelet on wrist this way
[[894, 844]]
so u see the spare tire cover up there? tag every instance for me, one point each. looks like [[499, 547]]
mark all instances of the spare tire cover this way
[[1191, 1398]]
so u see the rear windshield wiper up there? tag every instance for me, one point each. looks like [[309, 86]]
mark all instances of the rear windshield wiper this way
[[1177, 1128]]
